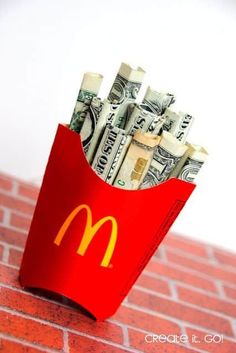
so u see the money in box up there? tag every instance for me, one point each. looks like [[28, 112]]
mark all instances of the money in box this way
[[89, 241]]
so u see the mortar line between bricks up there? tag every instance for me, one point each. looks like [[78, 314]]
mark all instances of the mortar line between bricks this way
[[6, 217], [184, 332], [161, 253], [177, 321], [186, 269], [5, 255], [57, 326], [15, 188], [19, 197], [189, 286], [211, 255], [125, 336], [16, 212], [66, 347], [17, 229], [27, 343], [9, 265], [173, 290], [190, 305], [233, 324], [220, 289], [15, 247]]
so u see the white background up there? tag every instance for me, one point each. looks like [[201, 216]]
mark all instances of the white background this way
[[186, 47]]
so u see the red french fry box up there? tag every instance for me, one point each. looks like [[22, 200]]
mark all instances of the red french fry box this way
[[88, 240]]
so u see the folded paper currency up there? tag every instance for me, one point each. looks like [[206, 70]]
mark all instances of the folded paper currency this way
[[178, 124], [195, 158], [141, 119], [137, 161], [110, 153], [106, 116], [166, 156], [125, 90], [157, 102], [89, 88], [90, 122]]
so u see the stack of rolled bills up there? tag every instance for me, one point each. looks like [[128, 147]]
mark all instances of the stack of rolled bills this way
[[134, 145]]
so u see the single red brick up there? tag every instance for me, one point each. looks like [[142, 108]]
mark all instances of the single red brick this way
[[60, 315], [5, 183], [172, 272], [206, 268], [20, 221], [225, 258], [15, 257], [9, 275], [137, 340], [12, 237], [215, 347], [180, 311], [185, 244], [1, 215], [230, 292], [31, 330], [16, 204], [155, 284], [206, 301], [83, 344], [29, 191], [148, 322], [7, 346]]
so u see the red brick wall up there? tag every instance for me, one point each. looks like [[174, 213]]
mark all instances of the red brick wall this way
[[188, 288]]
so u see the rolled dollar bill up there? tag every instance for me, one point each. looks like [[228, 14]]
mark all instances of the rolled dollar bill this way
[[158, 128], [137, 161], [125, 90], [141, 119], [89, 88], [166, 156], [193, 161], [90, 122], [106, 116], [110, 153], [178, 124], [157, 102]]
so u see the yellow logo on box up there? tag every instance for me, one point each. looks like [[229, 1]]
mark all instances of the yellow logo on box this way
[[89, 232]]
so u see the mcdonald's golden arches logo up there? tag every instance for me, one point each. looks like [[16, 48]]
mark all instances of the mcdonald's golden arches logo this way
[[89, 233]]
